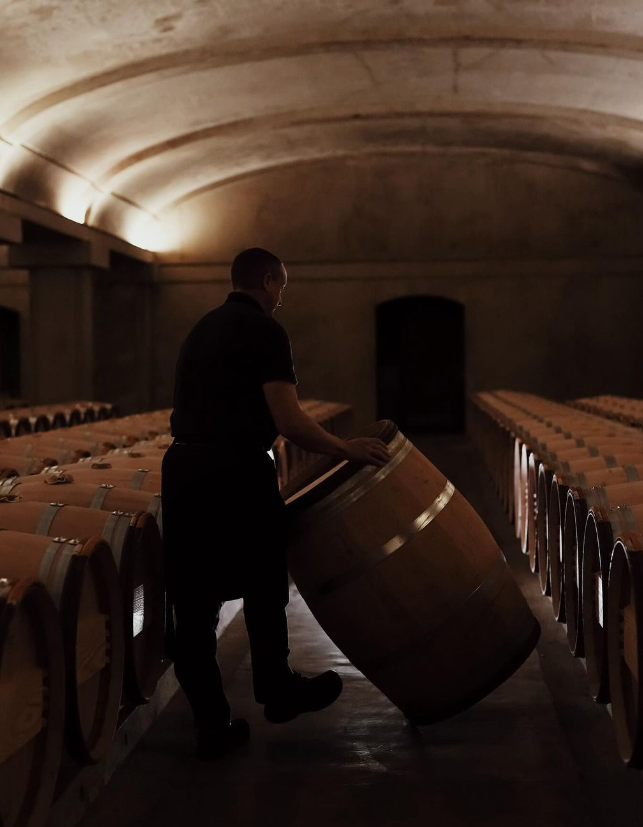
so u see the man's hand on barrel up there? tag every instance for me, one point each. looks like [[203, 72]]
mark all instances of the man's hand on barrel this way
[[298, 427], [369, 450]]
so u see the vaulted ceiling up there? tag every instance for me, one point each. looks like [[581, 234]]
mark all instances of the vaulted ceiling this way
[[113, 112]]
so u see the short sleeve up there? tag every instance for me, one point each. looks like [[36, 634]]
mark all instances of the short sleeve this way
[[276, 363]]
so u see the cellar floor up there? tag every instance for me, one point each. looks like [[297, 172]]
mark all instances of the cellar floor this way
[[536, 752]]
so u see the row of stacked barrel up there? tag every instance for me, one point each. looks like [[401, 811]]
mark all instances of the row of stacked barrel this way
[[37, 418], [572, 483], [36, 453], [622, 408], [82, 600]]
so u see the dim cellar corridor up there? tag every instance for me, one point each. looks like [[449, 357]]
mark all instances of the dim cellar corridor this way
[[340, 297], [537, 751]]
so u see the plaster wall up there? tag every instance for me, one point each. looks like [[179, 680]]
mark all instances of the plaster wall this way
[[562, 335], [545, 257], [467, 204], [122, 338], [61, 345], [85, 333]]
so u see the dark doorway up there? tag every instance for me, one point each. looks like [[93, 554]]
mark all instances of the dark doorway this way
[[9, 354], [420, 364]]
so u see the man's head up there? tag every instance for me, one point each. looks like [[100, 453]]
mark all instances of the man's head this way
[[260, 274]]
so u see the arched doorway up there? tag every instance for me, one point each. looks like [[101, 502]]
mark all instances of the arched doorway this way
[[9, 354], [420, 364]]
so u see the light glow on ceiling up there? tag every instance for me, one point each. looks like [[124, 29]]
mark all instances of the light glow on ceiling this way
[[144, 230], [74, 198], [9, 160]]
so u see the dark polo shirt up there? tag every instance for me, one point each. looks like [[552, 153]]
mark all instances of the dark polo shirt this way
[[223, 363]]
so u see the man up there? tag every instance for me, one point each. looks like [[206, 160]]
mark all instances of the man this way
[[223, 515]]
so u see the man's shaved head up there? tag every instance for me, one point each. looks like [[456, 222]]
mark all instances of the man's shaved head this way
[[250, 267]]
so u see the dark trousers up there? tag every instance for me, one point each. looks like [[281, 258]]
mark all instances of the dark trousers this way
[[224, 536]]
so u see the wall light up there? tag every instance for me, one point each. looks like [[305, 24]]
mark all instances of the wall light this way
[[143, 230], [73, 198], [9, 158]]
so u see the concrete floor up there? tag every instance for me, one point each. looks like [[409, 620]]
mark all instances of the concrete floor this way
[[536, 752]]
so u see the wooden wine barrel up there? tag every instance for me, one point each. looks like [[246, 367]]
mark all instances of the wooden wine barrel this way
[[602, 527], [12, 466], [625, 645], [153, 463], [158, 416], [76, 416], [105, 497], [87, 411], [503, 452], [594, 446], [555, 525], [564, 427], [605, 476], [159, 443], [494, 453], [365, 540], [114, 438], [95, 411], [20, 425], [520, 487], [136, 546], [9, 466], [139, 479], [59, 450], [55, 416], [545, 476], [573, 529], [530, 462], [579, 501], [124, 431], [531, 545], [587, 446], [151, 451], [582, 474], [81, 577], [280, 456], [73, 446], [141, 426], [554, 453], [589, 439], [604, 448], [38, 421], [32, 702], [609, 496]]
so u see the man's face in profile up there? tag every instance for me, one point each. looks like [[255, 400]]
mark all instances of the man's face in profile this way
[[276, 286]]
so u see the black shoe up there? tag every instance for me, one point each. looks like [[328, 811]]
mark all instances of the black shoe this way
[[303, 695], [215, 743]]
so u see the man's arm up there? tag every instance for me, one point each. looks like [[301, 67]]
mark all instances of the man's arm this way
[[298, 427]]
